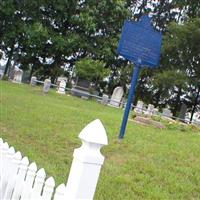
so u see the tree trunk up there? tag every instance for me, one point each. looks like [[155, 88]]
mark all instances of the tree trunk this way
[[157, 97], [31, 73], [177, 103], [157, 100], [195, 104], [9, 60]]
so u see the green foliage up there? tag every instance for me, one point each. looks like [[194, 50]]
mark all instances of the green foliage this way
[[5, 78], [133, 115], [92, 70], [170, 78], [63, 31]]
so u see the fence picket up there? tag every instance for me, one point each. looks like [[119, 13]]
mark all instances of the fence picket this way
[[20, 179], [28, 183], [5, 172], [12, 176], [48, 189], [4, 150], [60, 192], [38, 185]]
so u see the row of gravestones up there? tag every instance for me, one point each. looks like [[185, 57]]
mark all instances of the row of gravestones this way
[[47, 85], [115, 101], [151, 110]]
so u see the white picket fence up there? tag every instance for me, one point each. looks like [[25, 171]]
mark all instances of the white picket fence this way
[[21, 180]]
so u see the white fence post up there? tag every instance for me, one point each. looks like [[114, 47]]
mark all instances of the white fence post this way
[[87, 163], [19, 180]]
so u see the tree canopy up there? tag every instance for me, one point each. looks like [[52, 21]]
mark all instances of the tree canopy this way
[[48, 38]]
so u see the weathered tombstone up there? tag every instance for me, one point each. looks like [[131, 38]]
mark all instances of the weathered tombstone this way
[[33, 81], [139, 107], [61, 87], [116, 97], [150, 110], [196, 118], [18, 73], [47, 85], [155, 111], [183, 112], [105, 99], [166, 113], [81, 88], [59, 79], [1, 73]]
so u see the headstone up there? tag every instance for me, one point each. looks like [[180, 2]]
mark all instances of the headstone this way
[[84, 97], [139, 107], [196, 118], [33, 81], [116, 97], [1, 73], [47, 85], [18, 73], [155, 111], [166, 113], [61, 87], [187, 117], [11, 73], [59, 79], [183, 112], [150, 110], [105, 99], [83, 83], [81, 88]]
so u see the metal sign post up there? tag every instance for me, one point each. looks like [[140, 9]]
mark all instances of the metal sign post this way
[[131, 97], [140, 44]]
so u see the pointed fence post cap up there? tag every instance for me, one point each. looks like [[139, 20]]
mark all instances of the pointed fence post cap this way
[[94, 132]]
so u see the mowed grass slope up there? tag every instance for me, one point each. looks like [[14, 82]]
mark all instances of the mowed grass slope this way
[[148, 164]]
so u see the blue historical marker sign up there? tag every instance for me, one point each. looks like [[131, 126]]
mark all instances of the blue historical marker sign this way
[[140, 41], [140, 44]]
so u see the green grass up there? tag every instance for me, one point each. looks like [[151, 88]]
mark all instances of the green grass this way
[[149, 163]]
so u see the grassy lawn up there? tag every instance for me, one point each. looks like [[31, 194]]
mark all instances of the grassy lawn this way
[[149, 163]]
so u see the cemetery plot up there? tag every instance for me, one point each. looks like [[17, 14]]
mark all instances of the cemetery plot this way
[[33, 123]]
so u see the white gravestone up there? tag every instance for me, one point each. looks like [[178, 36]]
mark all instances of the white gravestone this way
[[1, 74], [155, 111], [116, 97], [18, 73], [33, 81], [196, 118], [104, 100], [139, 107], [60, 79], [47, 85], [61, 87], [150, 110], [167, 113]]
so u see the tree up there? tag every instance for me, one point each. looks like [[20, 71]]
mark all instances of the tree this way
[[48, 34], [181, 55], [91, 70]]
